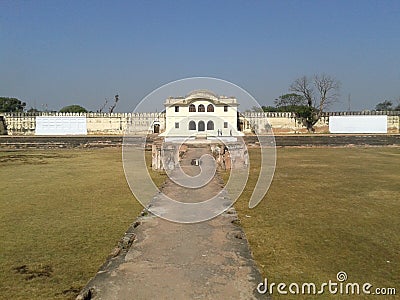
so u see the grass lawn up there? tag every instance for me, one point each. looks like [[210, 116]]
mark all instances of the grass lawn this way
[[328, 210], [61, 214]]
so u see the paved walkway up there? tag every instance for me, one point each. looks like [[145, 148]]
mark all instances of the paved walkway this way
[[207, 260]]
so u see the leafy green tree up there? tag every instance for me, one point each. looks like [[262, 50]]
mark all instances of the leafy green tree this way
[[33, 110], [73, 109], [397, 108], [269, 109], [385, 105], [318, 93], [290, 100], [11, 105], [256, 109], [288, 108]]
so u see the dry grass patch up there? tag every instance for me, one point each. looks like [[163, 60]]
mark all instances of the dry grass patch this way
[[61, 214], [327, 210]]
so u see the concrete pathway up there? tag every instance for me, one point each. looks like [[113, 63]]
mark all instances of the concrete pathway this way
[[159, 259]]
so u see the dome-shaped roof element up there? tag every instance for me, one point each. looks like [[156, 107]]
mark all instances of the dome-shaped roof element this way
[[201, 94]]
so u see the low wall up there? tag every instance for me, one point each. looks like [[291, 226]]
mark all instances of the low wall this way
[[117, 123], [285, 122], [96, 123]]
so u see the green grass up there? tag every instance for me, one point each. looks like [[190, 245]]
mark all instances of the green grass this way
[[327, 210], [61, 214]]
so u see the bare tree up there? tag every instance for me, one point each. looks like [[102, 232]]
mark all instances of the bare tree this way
[[303, 86], [319, 92]]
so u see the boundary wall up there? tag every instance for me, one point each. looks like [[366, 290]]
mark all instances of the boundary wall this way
[[117, 123]]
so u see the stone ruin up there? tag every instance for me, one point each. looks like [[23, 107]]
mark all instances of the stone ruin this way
[[166, 156]]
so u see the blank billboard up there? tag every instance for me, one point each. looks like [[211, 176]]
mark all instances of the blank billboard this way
[[358, 124], [60, 125]]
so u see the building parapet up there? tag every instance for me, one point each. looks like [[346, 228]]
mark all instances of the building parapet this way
[[325, 114]]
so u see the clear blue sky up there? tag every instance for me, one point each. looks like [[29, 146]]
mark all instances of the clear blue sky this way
[[80, 52]]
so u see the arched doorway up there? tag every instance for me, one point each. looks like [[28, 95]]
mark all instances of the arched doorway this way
[[210, 125], [156, 128], [241, 126], [192, 125], [201, 126], [3, 126]]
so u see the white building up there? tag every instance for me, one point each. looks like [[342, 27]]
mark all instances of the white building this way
[[201, 113]]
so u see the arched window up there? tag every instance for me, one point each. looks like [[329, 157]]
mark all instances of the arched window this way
[[192, 108], [210, 108], [201, 108], [192, 125], [201, 126], [210, 125]]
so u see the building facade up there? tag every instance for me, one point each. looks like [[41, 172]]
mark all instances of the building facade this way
[[201, 113]]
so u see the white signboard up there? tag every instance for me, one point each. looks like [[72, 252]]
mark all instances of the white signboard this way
[[358, 124], [60, 125]]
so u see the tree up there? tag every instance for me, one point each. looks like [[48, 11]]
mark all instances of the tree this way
[[254, 109], [397, 108], [269, 108], [318, 92], [33, 110], [290, 103], [385, 105], [73, 109], [290, 100], [11, 105]]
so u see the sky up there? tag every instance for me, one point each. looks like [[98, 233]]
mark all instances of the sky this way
[[58, 53]]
